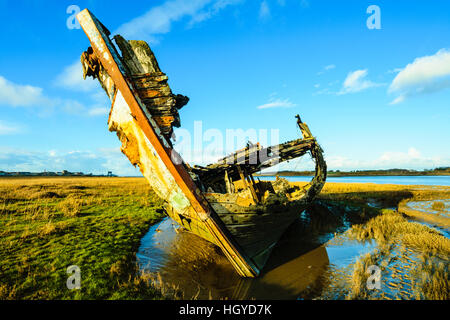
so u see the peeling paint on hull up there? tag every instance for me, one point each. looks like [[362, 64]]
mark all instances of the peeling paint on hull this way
[[141, 152]]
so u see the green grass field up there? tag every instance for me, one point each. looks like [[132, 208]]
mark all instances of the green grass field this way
[[49, 224]]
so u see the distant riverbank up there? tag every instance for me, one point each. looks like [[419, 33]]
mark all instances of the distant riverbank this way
[[399, 180], [445, 171]]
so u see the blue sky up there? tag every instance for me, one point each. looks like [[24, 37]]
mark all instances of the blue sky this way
[[375, 98]]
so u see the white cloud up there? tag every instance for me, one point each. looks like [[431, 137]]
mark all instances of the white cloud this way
[[278, 103], [326, 68], [72, 78], [212, 10], [395, 70], [264, 10], [356, 82], [389, 157], [98, 111], [425, 75], [411, 159], [328, 88], [8, 128], [96, 162], [74, 107], [16, 95], [158, 20], [398, 100]]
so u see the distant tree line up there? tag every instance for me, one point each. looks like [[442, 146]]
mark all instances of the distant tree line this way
[[63, 173], [441, 171]]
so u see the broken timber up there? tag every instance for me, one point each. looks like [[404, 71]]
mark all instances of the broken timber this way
[[244, 223]]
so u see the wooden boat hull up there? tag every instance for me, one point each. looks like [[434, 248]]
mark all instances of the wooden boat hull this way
[[256, 227], [142, 114], [258, 233]]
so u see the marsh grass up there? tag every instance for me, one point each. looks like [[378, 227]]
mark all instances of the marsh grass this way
[[392, 226], [413, 258], [386, 195], [424, 250], [431, 280], [48, 224], [358, 289], [438, 206]]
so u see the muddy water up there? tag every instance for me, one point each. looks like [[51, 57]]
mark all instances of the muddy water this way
[[313, 260]]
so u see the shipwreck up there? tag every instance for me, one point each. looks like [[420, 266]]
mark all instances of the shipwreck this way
[[221, 202]]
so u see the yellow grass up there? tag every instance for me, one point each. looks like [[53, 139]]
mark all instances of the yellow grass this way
[[47, 224], [438, 206]]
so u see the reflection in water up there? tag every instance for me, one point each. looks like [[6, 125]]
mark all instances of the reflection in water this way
[[300, 258], [194, 264], [313, 260]]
